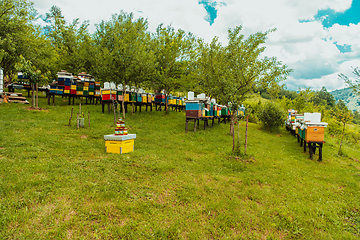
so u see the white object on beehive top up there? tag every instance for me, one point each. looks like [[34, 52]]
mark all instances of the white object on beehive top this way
[[191, 96], [202, 95], [112, 85], [312, 117]]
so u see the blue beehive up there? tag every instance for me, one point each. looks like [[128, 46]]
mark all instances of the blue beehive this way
[[138, 97], [193, 106]]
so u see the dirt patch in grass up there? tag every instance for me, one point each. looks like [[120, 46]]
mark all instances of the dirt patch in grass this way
[[84, 136], [36, 109]]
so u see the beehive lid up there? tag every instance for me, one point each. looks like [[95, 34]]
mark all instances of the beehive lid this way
[[113, 137], [320, 124]]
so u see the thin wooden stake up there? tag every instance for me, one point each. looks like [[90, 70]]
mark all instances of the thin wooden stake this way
[[72, 109], [77, 121], [80, 109], [246, 133], [89, 118], [114, 112]]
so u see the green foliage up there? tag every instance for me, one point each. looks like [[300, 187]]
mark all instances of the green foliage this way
[[174, 52], [271, 116], [252, 109], [343, 115], [334, 127], [73, 47], [324, 98], [16, 27], [124, 54], [354, 84], [356, 119]]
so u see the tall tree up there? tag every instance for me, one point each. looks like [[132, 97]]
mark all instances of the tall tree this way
[[72, 43], [34, 76], [173, 52], [16, 24], [233, 71], [343, 115], [124, 49], [323, 97], [354, 84]]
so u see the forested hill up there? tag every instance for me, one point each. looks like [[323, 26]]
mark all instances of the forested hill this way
[[351, 99]]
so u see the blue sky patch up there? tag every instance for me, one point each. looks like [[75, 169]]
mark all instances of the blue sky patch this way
[[210, 7], [329, 17], [344, 48]]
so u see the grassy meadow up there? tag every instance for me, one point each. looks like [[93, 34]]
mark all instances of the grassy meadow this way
[[57, 182]]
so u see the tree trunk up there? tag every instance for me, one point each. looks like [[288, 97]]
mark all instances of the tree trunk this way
[[37, 96], [232, 132], [246, 132], [32, 95], [238, 137], [166, 103], [114, 112], [123, 104], [342, 138]]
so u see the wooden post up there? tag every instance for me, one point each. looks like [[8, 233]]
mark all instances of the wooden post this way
[[246, 132], [89, 118], [77, 121], [71, 116], [114, 113], [80, 109]]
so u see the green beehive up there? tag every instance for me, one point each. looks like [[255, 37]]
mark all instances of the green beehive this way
[[85, 93], [132, 97]]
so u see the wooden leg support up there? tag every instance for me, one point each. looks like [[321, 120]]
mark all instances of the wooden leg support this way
[[320, 152], [311, 151]]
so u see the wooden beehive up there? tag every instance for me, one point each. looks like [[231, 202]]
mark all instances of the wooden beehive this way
[[314, 134], [119, 144]]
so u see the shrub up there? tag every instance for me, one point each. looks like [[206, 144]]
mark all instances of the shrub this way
[[271, 116], [252, 109], [334, 127]]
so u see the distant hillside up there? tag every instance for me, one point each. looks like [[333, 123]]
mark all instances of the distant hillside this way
[[351, 99]]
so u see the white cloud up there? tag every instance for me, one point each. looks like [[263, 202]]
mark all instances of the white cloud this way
[[306, 47]]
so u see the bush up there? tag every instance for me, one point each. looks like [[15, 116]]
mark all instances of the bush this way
[[271, 116], [334, 127], [252, 109]]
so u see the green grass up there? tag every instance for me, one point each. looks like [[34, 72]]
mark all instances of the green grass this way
[[58, 182]]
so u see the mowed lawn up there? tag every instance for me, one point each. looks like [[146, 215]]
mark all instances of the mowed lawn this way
[[57, 182]]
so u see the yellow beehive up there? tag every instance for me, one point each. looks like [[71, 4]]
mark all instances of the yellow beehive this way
[[67, 91], [119, 147], [105, 92], [144, 99], [314, 134], [73, 87], [91, 93], [79, 92], [127, 98], [86, 88]]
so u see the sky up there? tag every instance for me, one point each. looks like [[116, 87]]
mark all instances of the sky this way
[[318, 39]]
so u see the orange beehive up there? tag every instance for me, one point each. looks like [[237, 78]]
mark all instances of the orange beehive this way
[[314, 134]]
